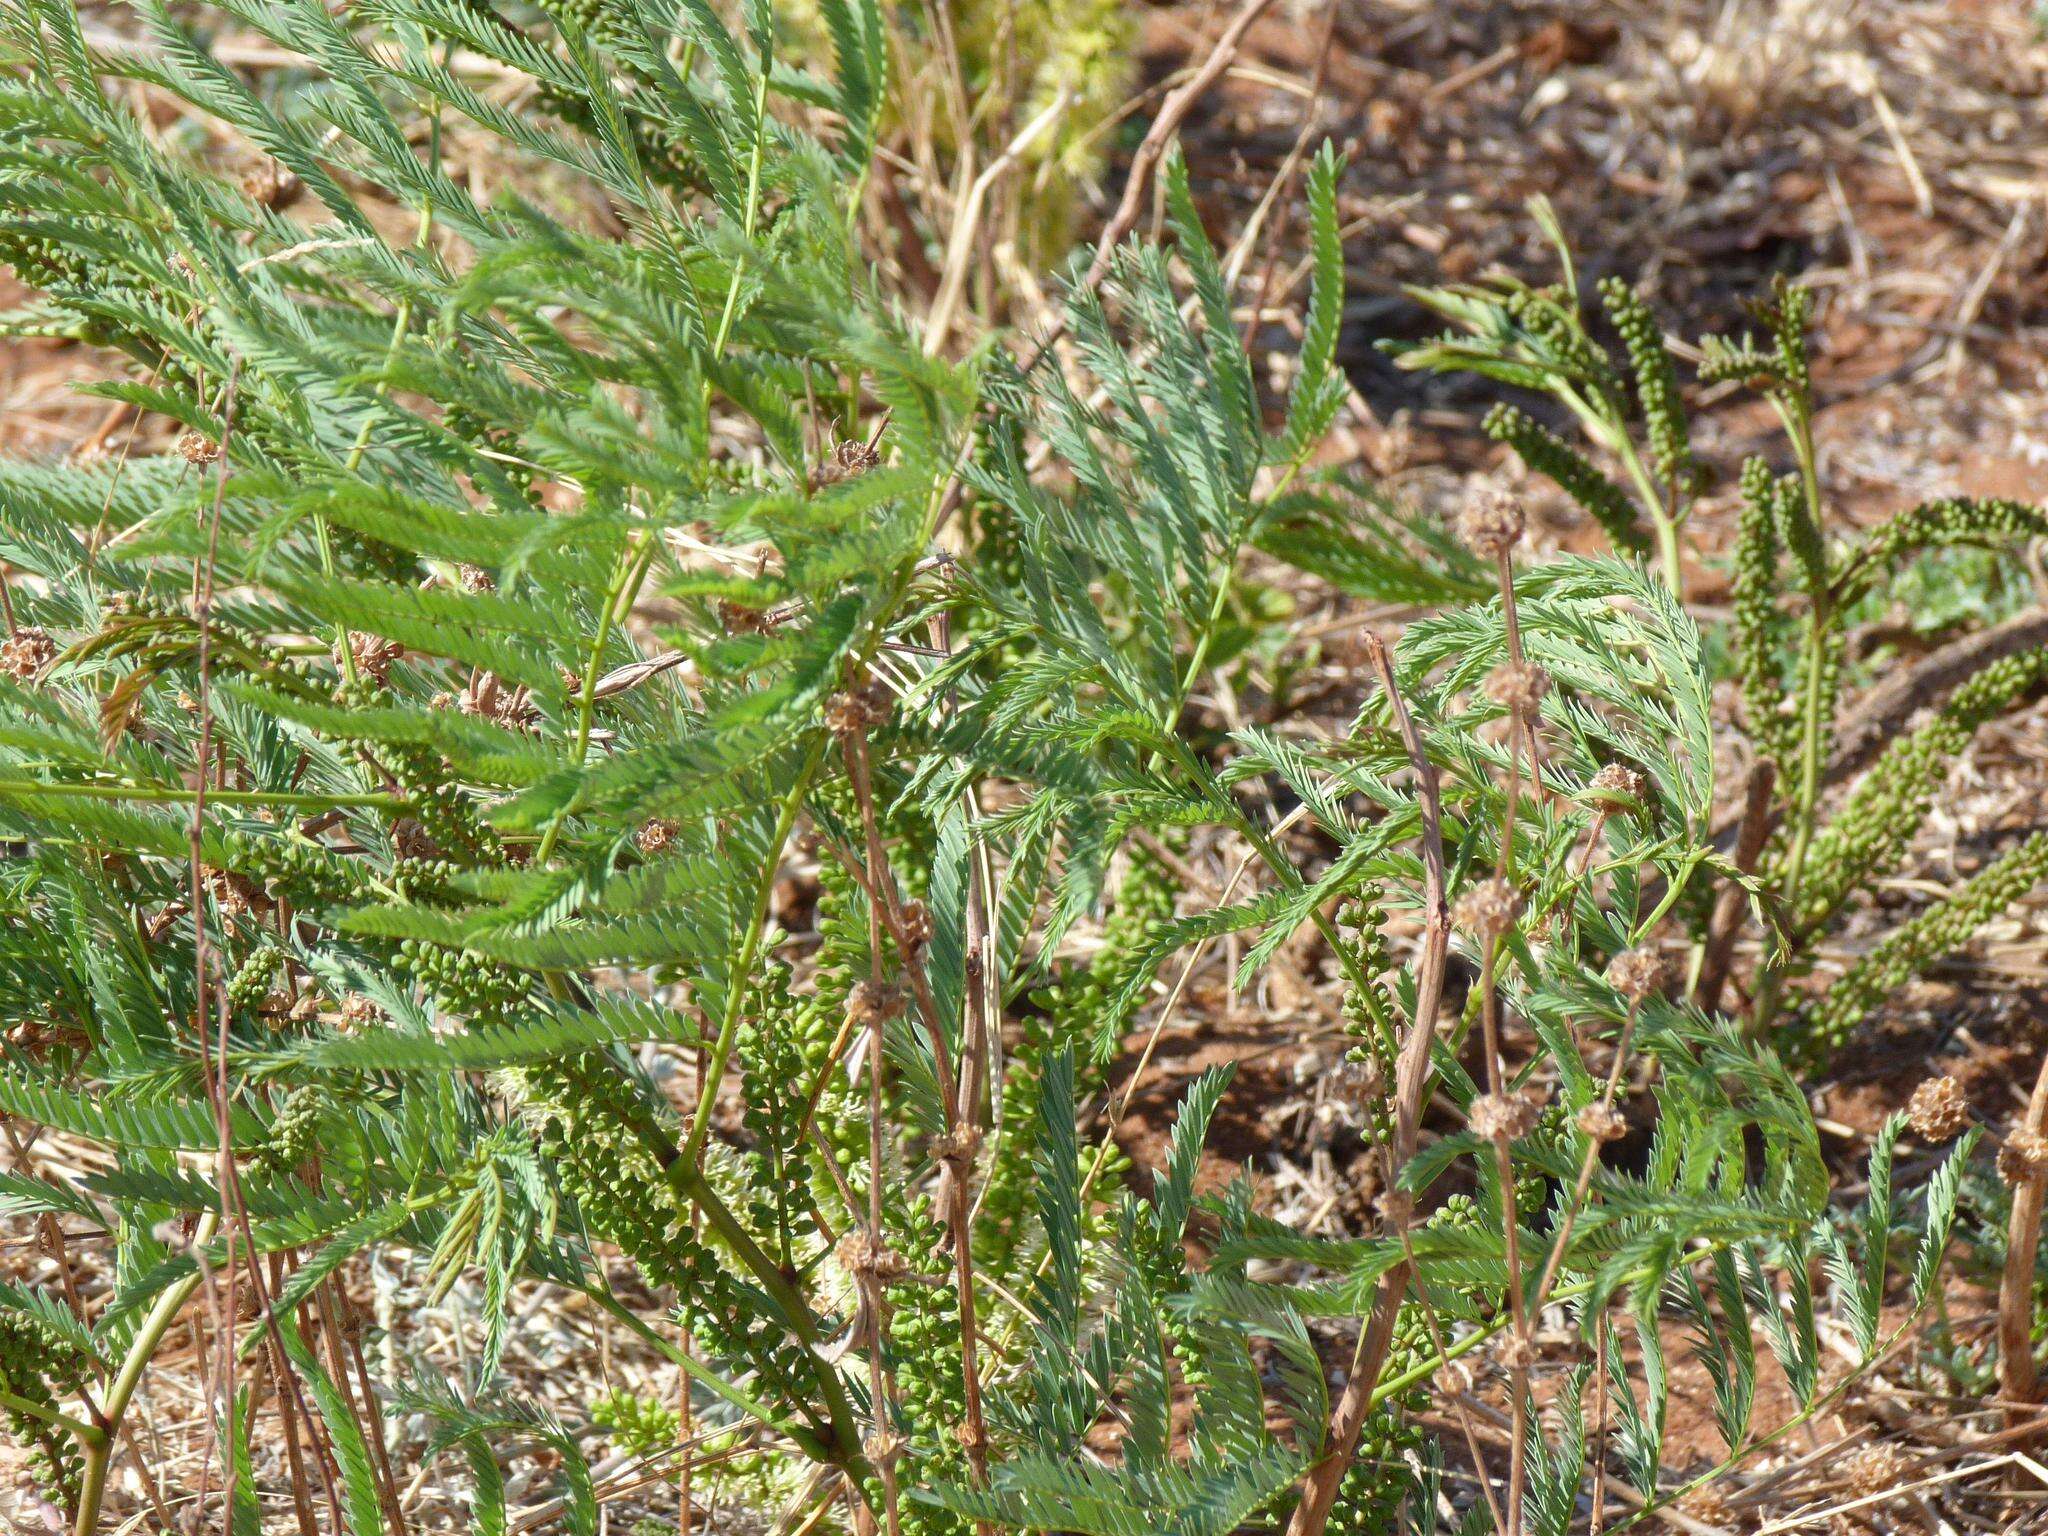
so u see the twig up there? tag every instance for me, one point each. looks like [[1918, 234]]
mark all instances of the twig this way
[[2016, 1377], [1411, 1080], [1751, 833], [1171, 114]]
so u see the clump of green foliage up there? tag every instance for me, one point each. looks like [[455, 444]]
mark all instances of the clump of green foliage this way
[[376, 879]]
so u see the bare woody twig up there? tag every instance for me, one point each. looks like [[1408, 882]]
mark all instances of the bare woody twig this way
[[1411, 1082], [2019, 1159], [1172, 113]]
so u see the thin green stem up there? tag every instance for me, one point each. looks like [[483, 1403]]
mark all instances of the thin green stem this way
[[618, 600], [732, 290], [750, 942], [156, 794], [99, 1448]]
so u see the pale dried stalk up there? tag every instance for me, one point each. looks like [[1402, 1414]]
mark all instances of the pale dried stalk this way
[[2016, 1376], [1411, 1083], [959, 1158]]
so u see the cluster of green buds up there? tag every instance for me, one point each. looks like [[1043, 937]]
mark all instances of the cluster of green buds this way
[[462, 982], [38, 1365], [1870, 832], [1925, 938], [1656, 380], [1549, 455], [584, 1114]]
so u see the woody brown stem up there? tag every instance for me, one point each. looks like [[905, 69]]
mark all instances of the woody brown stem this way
[[1411, 1085], [958, 1152], [2017, 1383], [1752, 832]]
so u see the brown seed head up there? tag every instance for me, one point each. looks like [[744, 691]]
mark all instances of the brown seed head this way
[[1601, 1122], [917, 924], [271, 184], [1396, 1207], [655, 835], [849, 459], [1617, 784], [2024, 1158], [1635, 973], [871, 1003], [1491, 524], [1488, 909], [198, 448], [27, 653], [1518, 688], [1938, 1110], [861, 1254], [1875, 1469], [373, 655], [488, 698], [411, 840], [1503, 1117], [860, 708]]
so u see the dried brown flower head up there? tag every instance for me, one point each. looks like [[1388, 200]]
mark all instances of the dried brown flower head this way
[[1518, 688], [1396, 1207], [1875, 1469], [870, 1003], [1491, 524], [27, 653], [198, 448], [1635, 973], [917, 924], [1488, 909], [1618, 786], [1503, 1117], [272, 184], [859, 708], [1601, 1122], [859, 1253], [373, 655], [2024, 1158], [488, 698], [849, 458], [1938, 1110], [656, 835], [474, 578], [411, 840]]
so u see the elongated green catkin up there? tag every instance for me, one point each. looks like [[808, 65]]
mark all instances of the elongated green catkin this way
[[1572, 472], [1914, 945], [1542, 313], [1870, 833], [1656, 379], [1949, 520], [1787, 312], [37, 1365], [585, 1114], [1756, 611]]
